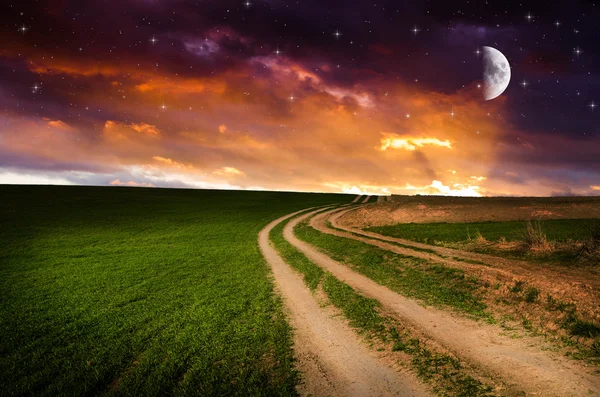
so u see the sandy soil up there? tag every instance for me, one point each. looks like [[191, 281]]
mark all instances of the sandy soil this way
[[380, 199], [424, 209], [332, 360], [518, 362]]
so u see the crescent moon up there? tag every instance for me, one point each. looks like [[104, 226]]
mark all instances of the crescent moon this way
[[496, 73]]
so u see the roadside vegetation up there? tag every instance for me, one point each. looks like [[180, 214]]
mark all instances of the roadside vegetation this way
[[131, 291], [565, 242], [441, 369]]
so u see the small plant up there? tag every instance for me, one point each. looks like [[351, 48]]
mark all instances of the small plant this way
[[532, 294], [585, 328], [596, 347], [590, 249], [527, 323], [533, 238], [517, 288]]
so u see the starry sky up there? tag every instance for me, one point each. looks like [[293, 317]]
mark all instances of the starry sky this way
[[372, 97]]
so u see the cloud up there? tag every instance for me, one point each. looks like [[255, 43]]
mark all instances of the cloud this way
[[9, 177], [117, 130], [146, 129], [61, 125], [438, 188], [595, 187], [170, 162], [394, 141], [117, 182], [229, 172]]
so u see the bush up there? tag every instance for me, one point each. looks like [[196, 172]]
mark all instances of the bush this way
[[533, 237], [590, 249], [532, 294]]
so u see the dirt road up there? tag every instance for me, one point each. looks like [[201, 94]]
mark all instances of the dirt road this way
[[518, 362], [331, 358], [580, 286], [366, 200]]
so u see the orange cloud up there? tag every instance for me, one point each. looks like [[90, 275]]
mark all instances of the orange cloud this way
[[117, 182], [170, 162], [394, 141], [60, 125], [438, 188], [144, 128], [114, 130], [228, 172]]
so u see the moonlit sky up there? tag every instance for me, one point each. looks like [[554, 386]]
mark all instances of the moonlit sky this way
[[341, 96]]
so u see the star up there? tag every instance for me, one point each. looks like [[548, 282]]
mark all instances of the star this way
[[337, 34], [408, 115], [415, 30], [35, 88], [529, 17], [153, 40], [592, 106], [23, 29], [291, 98], [524, 84], [477, 52], [577, 51], [557, 23], [452, 113], [278, 52], [247, 4], [163, 107]]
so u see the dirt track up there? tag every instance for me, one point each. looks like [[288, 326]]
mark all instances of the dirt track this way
[[518, 362], [330, 356]]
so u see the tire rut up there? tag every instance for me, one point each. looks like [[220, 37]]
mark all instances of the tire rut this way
[[330, 356]]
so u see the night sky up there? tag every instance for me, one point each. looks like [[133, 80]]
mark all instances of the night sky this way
[[343, 96]]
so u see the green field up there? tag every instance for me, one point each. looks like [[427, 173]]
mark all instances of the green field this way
[[564, 236], [128, 291], [560, 230]]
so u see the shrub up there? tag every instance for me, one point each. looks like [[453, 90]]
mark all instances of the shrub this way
[[532, 294], [590, 249], [533, 237]]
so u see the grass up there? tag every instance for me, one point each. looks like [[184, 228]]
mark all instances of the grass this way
[[560, 230], [443, 370], [126, 291], [555, 240], [432, 283]]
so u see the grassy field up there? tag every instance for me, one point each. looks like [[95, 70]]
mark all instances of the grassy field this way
[[125, 291], [560, 230], [560, 240]]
